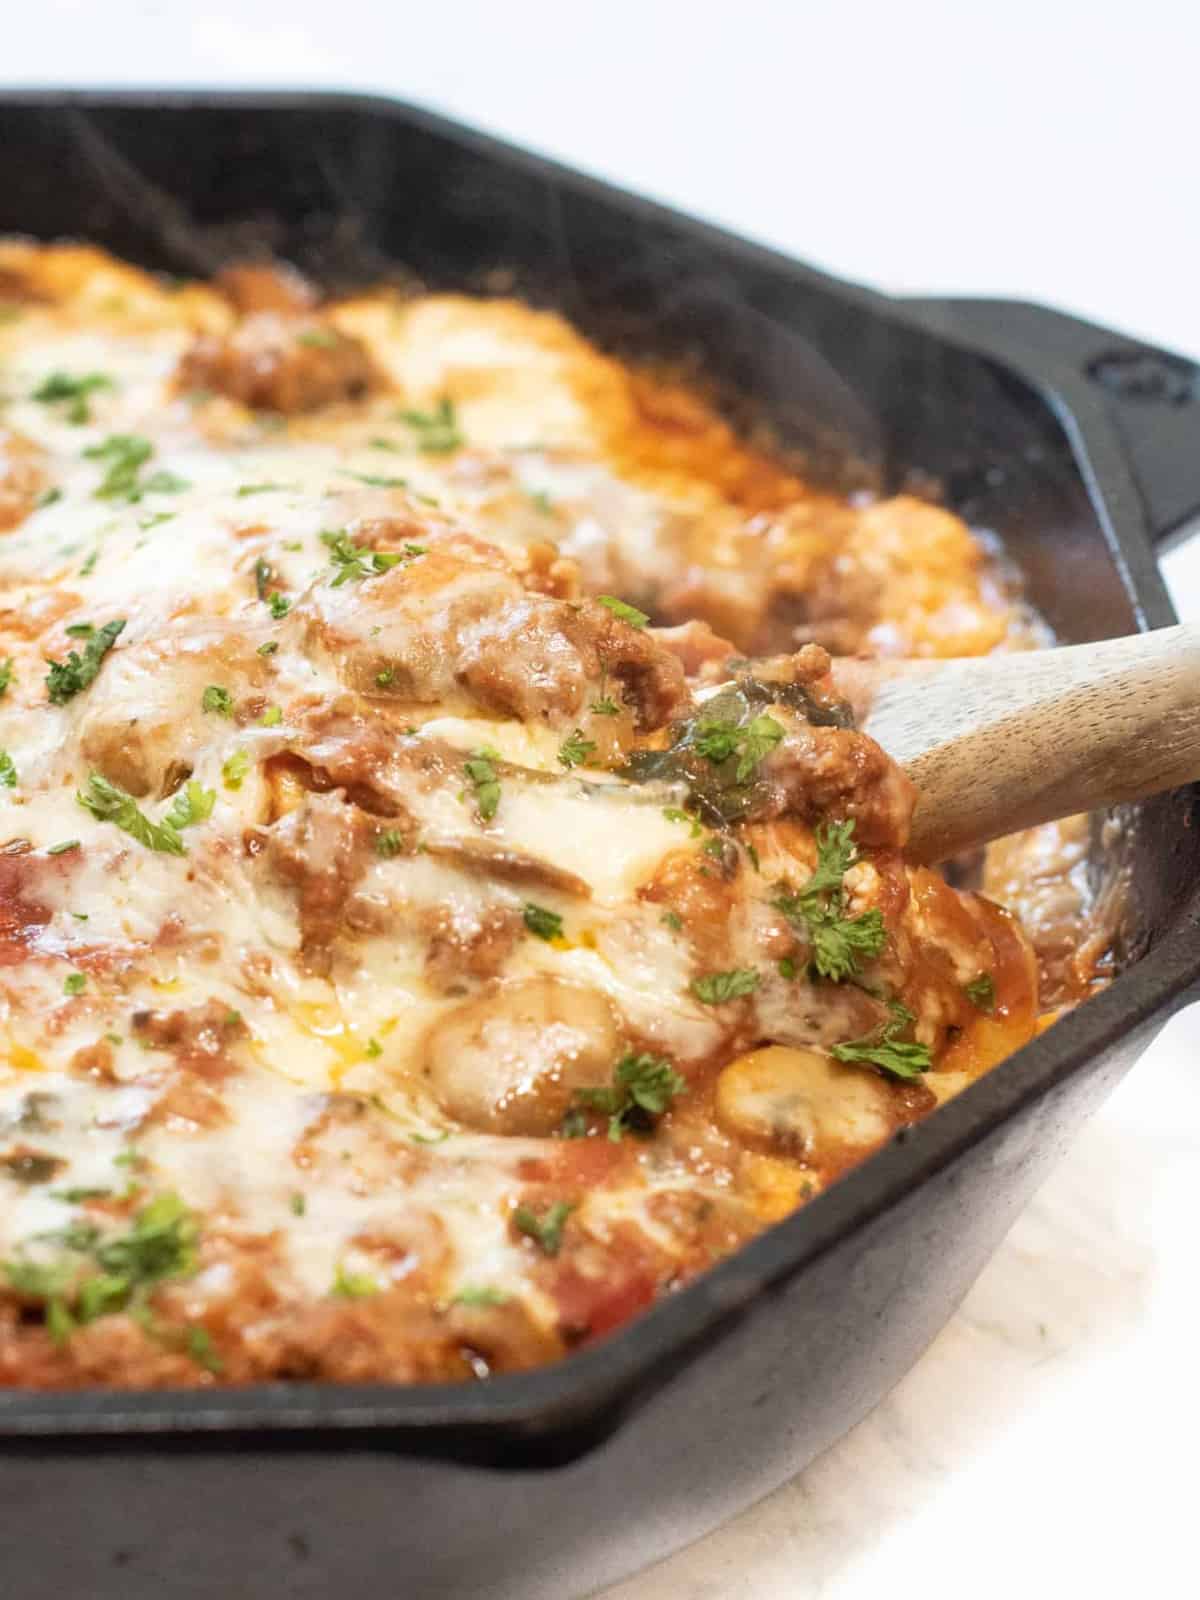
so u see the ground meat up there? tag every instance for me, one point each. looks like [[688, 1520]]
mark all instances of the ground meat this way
[[198, 1039], [819, 772], [465, 633], [252, 286], [468, 945], [274, 362], [320, 850]]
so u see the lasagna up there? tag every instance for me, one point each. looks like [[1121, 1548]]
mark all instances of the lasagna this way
[[445, 904]]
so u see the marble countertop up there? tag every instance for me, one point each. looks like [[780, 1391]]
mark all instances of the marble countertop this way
[[1037, 151]]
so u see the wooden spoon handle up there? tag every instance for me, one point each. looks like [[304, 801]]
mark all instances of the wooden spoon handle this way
[[1009, 741]]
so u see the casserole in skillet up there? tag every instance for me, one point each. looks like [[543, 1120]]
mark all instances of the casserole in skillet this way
[[417, 962], [738, 1379]]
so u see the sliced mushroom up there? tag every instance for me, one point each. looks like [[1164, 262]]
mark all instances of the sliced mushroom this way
[[510, 1061], [802, 1102]]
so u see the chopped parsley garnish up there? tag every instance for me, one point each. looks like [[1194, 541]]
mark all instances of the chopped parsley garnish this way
[[164, 482], [269, 648], [374, 1049], [75, 391], [575, 750], [385, 677], [192, 803], [389, 843], [481, 774], [298, 1204], [318, 338], [715, 988], [717, 740], [674, 814], [217, 700], [49, 497], [838, 944], [66, 678], [546, 1231], [606, 706], [981, 992], [8, 772], [543, 924], [353, 1285], [125, 454], [622, 609], [480, 1295], [787, 969], [74, 983], [278, 604], [542, 501], [356, 561], [6, 675], [882, 1048], [643, 1087], [263, 573], [108, 803], [437, 431], [160, 1244], [199, 1345], [63, 848], [375, 480], [673, 920], [245, 489], [235, 768], [155, 519], [272, 717]]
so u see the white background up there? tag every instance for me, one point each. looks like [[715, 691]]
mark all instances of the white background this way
[[1045, 1444]]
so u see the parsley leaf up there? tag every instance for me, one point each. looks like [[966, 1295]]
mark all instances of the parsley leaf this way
[[717, 740], [543, 924], [160, 1244], [547, 1231], [838, 944], [606, 706], [200, 1348], [74, 983], [66, 678], [575, 750], [437, 431], [622, 609], [389, 843], [244, 489], [217, 700], [981, 992], [278, 604], [353, 1285], [8, 772], [375, 480], [481, 774], [191, 804], [357, 561], [108, 803], [480, 1295], [62, 386], [675, 814], [6, 675], [903, 1058], [643, 1088], [126, 454], [235, 769], [715, 988]]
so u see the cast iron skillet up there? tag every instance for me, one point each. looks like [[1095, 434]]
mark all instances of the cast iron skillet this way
[[1075, 445]]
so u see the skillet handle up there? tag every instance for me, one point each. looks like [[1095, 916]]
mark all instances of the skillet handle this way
[[1151, 396]]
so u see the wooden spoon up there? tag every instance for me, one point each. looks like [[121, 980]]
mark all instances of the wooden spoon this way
[[1005, 742]]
